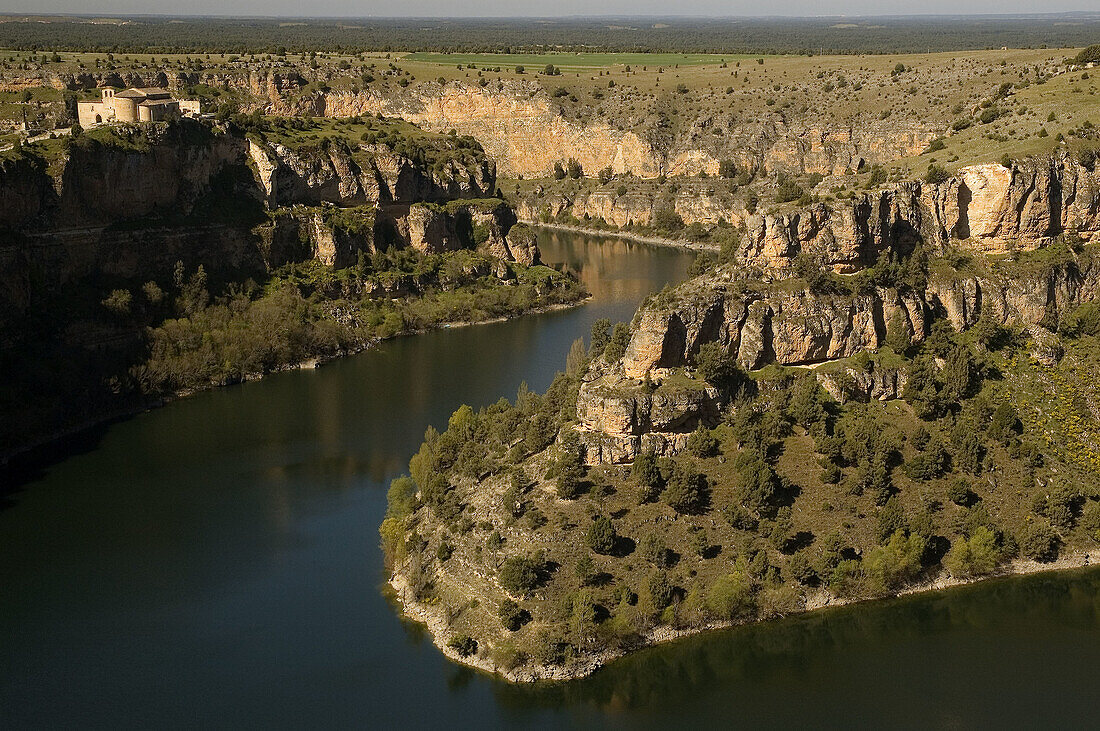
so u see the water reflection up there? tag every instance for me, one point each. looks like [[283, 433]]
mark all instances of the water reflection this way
[[971, 655], [216, 563]]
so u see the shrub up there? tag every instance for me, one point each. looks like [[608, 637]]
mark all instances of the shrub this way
[[789, 191], [1039, 542], [727, 169], [601, 536], [990, 114], [512, 616], [464, 645], [936, 174], [520, 575], [731, 597], [976, 556]]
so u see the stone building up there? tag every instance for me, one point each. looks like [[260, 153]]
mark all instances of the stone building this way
[[134, 105]]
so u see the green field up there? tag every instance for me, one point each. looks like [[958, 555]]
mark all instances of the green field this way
[[574, 61]]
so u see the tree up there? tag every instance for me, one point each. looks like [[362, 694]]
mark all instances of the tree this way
[[570, 482], [788, 191], [573, 168], [686, 490], [731, 597], [653, 549], [577, 358], [1005, 423], [559, 171], [601, 336], [605, 175], [401, 498], [716, 366], [757, 481], [896, 563], [702, 442], [512, 615], [668, 220], [897, 332], [648, 476], [601, 536], [1039, 542], [660, 590], [585, 569], [807, 404], [976, 556], [727, 169], [520, 575], [616, 347], [118, 302], [464, 645]]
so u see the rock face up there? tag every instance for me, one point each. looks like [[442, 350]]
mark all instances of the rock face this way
[[523, 130], [525, 134], [693, 203], [621, 417], [369, 174], [781, 319], [128, 209], [988, 209]]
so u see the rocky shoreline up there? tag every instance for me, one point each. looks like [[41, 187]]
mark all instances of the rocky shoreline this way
[[436, 624]]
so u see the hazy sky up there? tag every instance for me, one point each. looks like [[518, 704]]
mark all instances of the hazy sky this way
[[543, 8]]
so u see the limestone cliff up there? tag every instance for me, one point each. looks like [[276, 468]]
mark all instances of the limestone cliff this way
[[988, 209], [125, 205], [522, 128], [783, 319]]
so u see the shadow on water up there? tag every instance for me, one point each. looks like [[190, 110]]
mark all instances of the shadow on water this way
[[977, 655], [216, 563]]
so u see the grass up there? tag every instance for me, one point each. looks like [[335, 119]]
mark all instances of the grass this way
[[533, 62]]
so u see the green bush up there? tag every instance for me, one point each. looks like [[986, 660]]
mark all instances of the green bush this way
[[520, 575], [464, 645], [601, 536]]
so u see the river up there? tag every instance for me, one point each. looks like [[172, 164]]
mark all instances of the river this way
[[216, 563]]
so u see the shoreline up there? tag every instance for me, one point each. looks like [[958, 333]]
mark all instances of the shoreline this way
[[28, 457], [639, 238], [436, 624]]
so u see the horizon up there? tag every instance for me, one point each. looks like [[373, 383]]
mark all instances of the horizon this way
[[935, 11]]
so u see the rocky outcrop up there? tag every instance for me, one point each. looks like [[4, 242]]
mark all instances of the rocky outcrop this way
[[621, 417], [335, 173], [519, 128], [787, 322], [693, 203], [985, 209], [522, 128], [126, 207], [870, 383]]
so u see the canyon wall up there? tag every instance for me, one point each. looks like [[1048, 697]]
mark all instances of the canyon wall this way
[[646, 399], [124, 209], [525, 132]]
